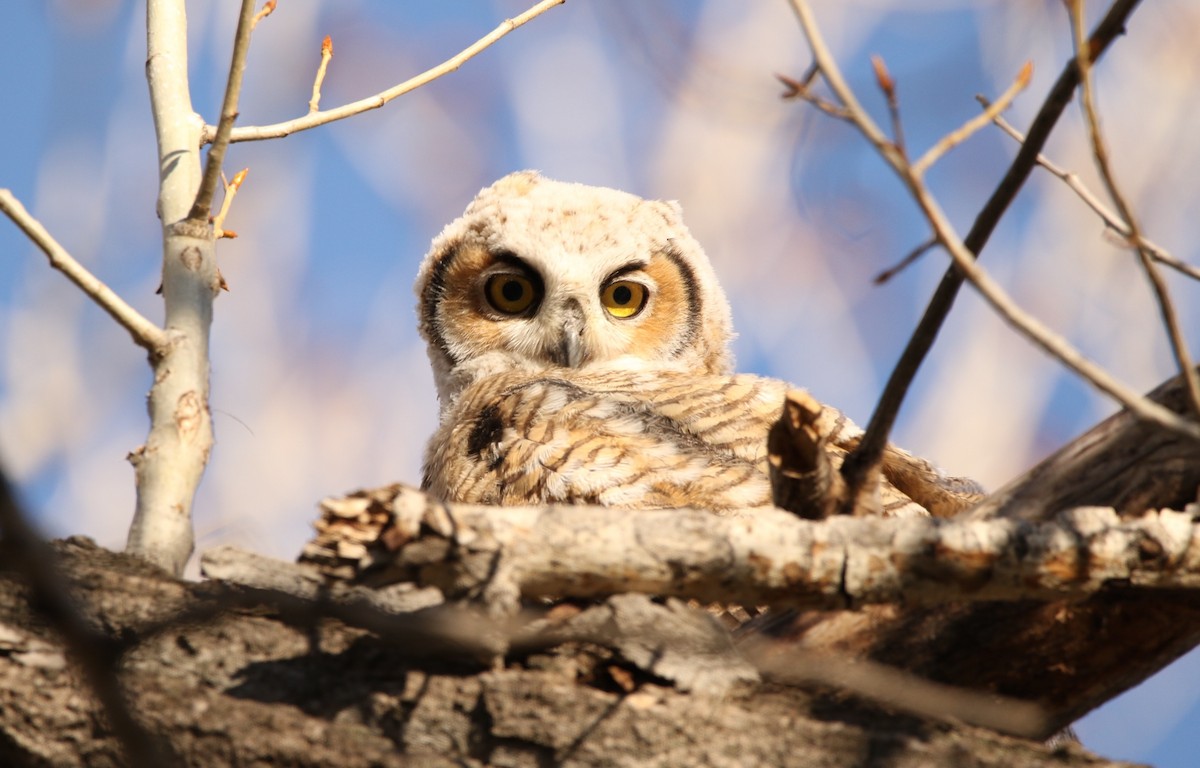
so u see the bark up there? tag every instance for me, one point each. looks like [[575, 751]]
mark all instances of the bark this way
[[252, 686], [1073, 655], [803, 479], [761, 557]]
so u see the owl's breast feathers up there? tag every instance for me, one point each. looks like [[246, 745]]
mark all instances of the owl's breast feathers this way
[[635, 439], [639, 439]]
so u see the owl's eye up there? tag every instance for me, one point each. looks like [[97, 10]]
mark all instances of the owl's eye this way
[[623, 298], [509, 293]]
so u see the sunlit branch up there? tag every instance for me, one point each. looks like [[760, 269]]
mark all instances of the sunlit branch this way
[[312, 120], [145, 333], [1083, 60]]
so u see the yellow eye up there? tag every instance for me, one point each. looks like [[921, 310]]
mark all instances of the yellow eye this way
[[510, 294], [623, 298]]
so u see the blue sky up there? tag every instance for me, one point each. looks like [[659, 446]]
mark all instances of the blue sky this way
[[320, 384]]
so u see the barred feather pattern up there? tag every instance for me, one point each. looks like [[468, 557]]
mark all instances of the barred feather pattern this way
[[644, 439]]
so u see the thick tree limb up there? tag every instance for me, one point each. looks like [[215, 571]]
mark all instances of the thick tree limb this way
[[1122, 462], [1075, 654], [93, 654], [769, 557], [246, 688]]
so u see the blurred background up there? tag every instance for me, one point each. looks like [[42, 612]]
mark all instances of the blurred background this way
[[320, 384]]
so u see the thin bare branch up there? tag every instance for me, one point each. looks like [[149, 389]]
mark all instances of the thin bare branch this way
[[1029, 326], [799, 89], [267, 9], [824, 62], [1089, 198], [860, 462], [202, 207], [314, 103], [887, 84], [969, 128], [231, 190], [903, 264], [312, 120], [894, 688], [1179, 347], [145, 333]]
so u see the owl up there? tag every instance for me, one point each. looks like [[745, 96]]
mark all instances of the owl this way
[[579, 340]]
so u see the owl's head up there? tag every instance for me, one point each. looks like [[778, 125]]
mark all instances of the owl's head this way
[[542, 274]]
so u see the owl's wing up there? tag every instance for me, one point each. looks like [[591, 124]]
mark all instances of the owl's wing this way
[[631, 439], [644, 440]]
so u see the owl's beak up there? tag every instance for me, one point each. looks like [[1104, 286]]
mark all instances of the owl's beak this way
[[570, 352]]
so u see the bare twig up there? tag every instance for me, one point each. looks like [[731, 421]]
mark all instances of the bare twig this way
[[1179, 346], [968, 129], [887, 84], [267, 9], [858, 464], [1051, 342], [231, 190], [96, 654], [145, 333], [312, 120], [1108, 215], [314, 103], [903, 264], [799, 89], [894, 688], [233, 89], [823, 62]]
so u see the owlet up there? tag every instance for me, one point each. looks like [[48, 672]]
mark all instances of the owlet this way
[[580, 345]]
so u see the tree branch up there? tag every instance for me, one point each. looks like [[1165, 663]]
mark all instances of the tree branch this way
[[954, 138], [314, 119], [766, 557], [314, 103], [1100, 152], [202, 207], [170, 464], [895, 688], [145, 333], [859, 463], [248, 687], [1110, 217]]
